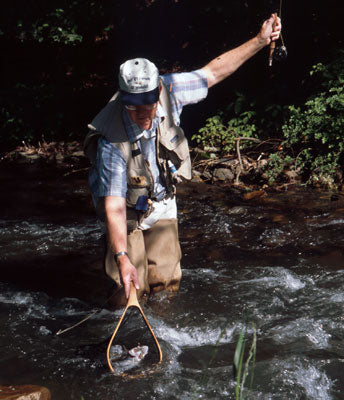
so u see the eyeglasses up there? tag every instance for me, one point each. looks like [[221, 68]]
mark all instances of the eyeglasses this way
[[147, 107]]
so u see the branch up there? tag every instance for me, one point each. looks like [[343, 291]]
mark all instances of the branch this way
[[237, 140]]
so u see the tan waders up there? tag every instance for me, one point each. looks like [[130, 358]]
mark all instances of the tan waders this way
[[156, 255]]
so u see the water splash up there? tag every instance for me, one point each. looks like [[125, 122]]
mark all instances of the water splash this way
[[278, 277], [302, 328]]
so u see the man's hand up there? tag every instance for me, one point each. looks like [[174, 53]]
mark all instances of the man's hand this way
[[128, 273], [268, 31]]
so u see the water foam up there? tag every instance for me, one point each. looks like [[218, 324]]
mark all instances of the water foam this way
[[194, 336], [316, 383], [278, 277], [45, 237], [295, 378], [313, 331]]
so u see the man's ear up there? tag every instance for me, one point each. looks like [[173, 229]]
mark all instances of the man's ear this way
[[160, 88]]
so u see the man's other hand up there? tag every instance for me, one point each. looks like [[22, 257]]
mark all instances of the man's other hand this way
[[128, 274]]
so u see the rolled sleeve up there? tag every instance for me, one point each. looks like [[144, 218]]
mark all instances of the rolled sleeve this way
[[108, 176], [186, 88]]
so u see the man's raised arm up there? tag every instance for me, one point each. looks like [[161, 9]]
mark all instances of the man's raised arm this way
[[227, 63]]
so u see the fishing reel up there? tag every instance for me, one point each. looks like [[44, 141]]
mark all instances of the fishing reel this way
[[280, 53]]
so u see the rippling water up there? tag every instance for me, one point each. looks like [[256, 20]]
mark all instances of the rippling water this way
[[279, 259]]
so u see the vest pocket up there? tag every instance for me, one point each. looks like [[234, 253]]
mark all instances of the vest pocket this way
[[176, 144], [138, 185], [138, 181], [175, 141], [133, 194]]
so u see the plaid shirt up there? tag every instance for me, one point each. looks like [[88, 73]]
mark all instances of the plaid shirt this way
[[108, 176]]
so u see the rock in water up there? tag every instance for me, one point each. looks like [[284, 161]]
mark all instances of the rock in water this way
[[24, 392]]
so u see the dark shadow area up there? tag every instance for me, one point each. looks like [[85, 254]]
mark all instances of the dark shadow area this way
[[53, 83]]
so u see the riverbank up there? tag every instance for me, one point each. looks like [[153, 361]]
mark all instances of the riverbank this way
[[239, 170]]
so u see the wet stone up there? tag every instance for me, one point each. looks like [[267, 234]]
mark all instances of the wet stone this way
[[24, 392], [59, 158], [206, 175], [254, 194], [79, 153], [223, 174], [280, 219], [238, 210]]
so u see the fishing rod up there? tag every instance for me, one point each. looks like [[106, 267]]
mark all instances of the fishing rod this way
[[277, 52]]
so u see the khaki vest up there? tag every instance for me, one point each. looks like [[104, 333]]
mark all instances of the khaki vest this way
[[171, 145]]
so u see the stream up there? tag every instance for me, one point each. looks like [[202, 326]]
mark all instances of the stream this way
[[276, 261]]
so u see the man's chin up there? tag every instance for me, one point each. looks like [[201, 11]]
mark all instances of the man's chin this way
[[146, 125]]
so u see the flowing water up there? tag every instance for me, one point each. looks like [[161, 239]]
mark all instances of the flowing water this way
[[276, 260]]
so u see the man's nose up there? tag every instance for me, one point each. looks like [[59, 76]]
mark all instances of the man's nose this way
[[143, 112]]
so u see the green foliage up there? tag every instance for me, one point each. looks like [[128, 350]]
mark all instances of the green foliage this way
[[30, 112], [55, 26], [59, 22], [216, 134], [241, 368], [241, 118], [313, 134], [278, 163], [221, 132], [51, 51], [313, 140], [238, 361]]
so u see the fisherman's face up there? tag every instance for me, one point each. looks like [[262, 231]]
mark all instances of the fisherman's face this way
[[142, 115]]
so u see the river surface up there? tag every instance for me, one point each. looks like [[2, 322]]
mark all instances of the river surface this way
[[277, 261]]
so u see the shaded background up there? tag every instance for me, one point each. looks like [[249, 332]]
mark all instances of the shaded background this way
[[60, 58]]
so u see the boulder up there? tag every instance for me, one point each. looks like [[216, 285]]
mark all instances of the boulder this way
[[223, 174], [24, 392]]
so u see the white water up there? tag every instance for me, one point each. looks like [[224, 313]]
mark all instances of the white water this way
[[242, 263]]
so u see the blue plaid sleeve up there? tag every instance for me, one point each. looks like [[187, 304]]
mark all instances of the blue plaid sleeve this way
[[186, 88], [108, 177]]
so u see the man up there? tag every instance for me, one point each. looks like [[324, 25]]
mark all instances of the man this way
[[139, 153]]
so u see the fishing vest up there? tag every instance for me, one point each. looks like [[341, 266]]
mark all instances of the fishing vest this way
[[171, 145]]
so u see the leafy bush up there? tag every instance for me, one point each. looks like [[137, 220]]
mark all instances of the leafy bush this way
[[221, 131], [55, 22], [313, 140], [241, 118], [217, 134], [313, 134], [278, 163], [54, 27], [54, 47]]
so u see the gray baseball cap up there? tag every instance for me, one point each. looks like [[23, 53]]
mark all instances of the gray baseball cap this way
[[139, 82]]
